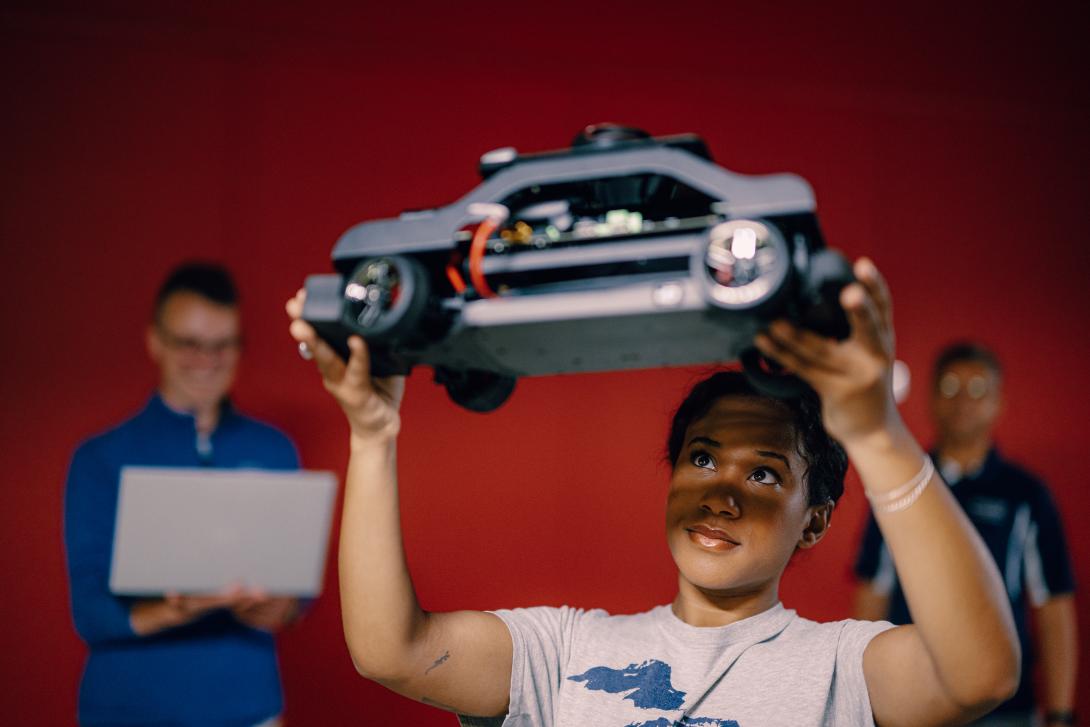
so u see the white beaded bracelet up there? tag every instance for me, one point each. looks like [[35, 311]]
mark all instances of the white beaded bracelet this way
[[901, 498]]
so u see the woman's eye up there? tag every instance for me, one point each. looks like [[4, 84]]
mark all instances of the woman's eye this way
[[765, 476], [702, 459]]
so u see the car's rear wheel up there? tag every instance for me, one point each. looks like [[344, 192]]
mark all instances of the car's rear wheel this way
[[479, 391], [768, 377]]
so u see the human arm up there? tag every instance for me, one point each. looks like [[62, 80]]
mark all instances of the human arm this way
[[960, 658], [1058, 652], [1049, 580], [90, 505], [458, 661]]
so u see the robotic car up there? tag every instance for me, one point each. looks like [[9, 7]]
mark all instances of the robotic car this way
[[624, 251]]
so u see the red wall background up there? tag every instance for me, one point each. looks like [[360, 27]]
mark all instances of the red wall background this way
[[948, 144]]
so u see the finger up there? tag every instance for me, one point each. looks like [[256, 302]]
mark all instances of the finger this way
[[228, 596], [244, 604], [235, 600], [200, 604], [866, 272], [329, 362], [330, 365], [294, 306], [303, 332], [817, 351], [787, 358], [864, 317], [358, 370]]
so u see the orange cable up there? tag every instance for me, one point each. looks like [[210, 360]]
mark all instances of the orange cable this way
[[477, 249], [455, 277]]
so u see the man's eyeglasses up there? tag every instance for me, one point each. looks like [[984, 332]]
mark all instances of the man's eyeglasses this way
[[976, 387], [196, 346]]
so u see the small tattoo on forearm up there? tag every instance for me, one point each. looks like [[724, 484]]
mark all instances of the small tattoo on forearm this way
[[438, 662]]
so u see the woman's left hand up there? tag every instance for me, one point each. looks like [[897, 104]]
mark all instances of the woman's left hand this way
[[853, 377]]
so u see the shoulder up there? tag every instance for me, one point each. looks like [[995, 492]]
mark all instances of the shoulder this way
[[110, 443], [568, 624], [847, 636], [259, 433], [1022, 488], [550, 617], [840, 645], [98, 459], [258, 428], [1015, 479]]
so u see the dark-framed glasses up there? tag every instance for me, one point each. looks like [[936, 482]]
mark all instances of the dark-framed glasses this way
[[192, 346]]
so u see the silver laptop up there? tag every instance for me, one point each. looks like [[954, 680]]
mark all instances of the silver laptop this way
[[203, 530]]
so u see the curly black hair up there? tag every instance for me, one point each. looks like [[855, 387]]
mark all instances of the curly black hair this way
[[826, 461]]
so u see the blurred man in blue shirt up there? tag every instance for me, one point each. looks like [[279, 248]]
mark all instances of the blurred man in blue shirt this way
[[180, 659]]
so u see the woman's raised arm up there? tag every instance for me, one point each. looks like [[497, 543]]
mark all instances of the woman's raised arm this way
[[457, 661], [960, 658]]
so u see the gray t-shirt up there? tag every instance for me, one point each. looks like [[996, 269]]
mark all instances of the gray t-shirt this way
[[574, 668]]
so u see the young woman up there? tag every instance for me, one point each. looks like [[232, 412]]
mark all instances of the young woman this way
[[753, 480]]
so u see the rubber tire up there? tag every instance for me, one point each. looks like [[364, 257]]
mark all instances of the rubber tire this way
[[476, 390], [761, 372], [402, 322]]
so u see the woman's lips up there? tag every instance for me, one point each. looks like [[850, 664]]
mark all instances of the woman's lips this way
[[711, 538]]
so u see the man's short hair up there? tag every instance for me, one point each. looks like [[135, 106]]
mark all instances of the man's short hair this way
[[965, 351], [826, 461], [207, 279]]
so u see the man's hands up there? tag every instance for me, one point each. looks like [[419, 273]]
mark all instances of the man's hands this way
[[267, 613], [371, 404], [251, 607], [853, 377]]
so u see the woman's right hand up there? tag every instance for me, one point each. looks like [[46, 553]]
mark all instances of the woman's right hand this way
[[370, 404]]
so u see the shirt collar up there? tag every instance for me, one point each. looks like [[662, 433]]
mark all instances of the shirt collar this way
[[951, 471], [160, 411], [757, 628]]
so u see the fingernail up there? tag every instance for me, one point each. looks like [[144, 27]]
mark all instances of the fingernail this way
[[780, 328]]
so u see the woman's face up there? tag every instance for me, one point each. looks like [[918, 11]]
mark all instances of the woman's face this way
[[737, 507]]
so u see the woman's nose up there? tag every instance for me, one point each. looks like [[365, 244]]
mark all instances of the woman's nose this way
[[722, 502]]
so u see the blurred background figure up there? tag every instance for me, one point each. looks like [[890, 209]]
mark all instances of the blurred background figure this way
[[179, 660], [1015, 514]]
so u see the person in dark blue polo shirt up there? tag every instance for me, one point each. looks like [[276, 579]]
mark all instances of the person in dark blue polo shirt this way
[[182, 659], [1018, 521]]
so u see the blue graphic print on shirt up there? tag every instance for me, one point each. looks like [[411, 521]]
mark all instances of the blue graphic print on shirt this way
[[649, 683], [686, 722], [648, 686]]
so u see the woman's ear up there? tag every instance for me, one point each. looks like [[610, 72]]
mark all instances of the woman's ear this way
[[817, 525]]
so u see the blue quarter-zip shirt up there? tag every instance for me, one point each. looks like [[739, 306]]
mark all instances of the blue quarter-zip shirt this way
[[214, 671]]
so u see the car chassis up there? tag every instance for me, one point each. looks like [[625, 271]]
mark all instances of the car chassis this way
[[624, 251]]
